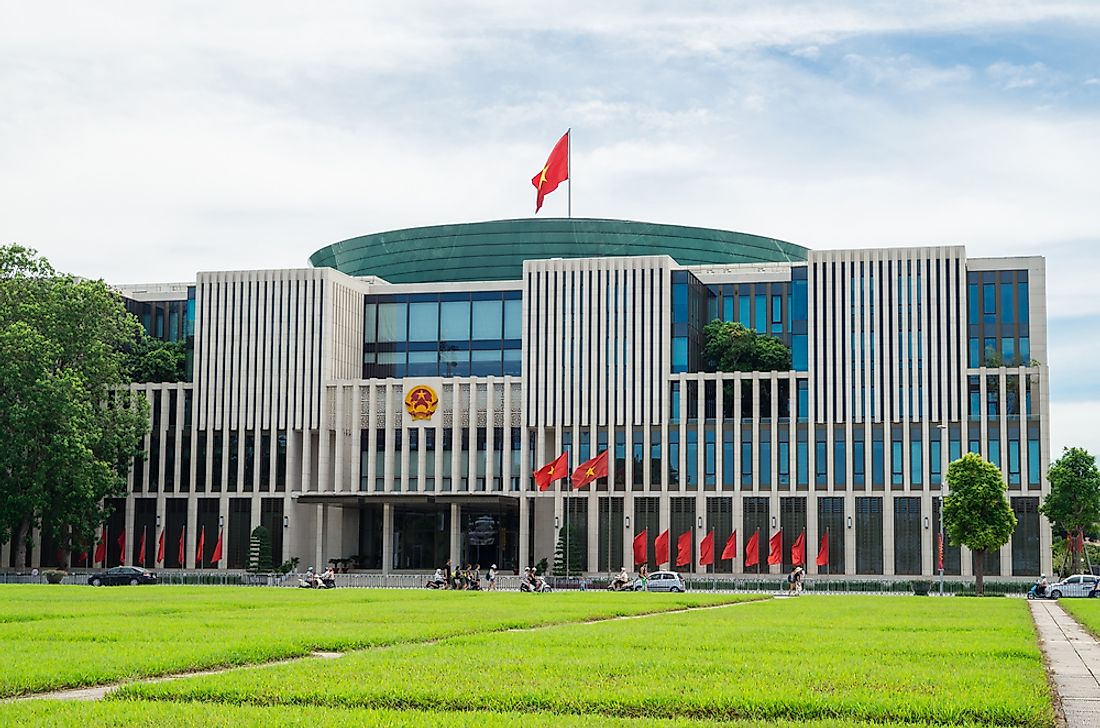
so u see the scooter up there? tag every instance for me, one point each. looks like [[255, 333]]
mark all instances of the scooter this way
[[1037, 592], [620, 585], [436, 584], [318, 584], [540, 586]]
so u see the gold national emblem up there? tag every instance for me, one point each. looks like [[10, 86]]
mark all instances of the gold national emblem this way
[[421, 402]]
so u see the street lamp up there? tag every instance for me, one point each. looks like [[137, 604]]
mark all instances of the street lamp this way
[[943, 493]]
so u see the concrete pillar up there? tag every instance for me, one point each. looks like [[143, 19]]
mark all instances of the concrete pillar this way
[[456, 533], [664, 520], [594, 530], [192, 531], [928, 536], [387, 538], [524, 531], [813, 535], [849, 534], [319, 543], [888, 532], [127, 557]]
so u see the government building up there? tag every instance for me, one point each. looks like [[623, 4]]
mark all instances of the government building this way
[[388, 405]]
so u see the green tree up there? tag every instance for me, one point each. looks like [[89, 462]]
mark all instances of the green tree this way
[[569, 555], [152, 360], [731, 347], [976, 511], [259, 551], [70, 426], [1073, 504]]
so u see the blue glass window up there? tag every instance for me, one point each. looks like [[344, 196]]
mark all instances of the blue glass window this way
[[800, 352], [988, 349], [974, 359], [692, 457], [513, 319], [955, 447], [454, 321], [760, 317], [916, 469], [1014, 462], [424, 321], [744, 311], [1008, 350], [391, 322], [1025, 350], [1033, 462], [765, 459], [487, 318], [673, 456], [935, 461], [727, 308], [1022, 302], [989, 302], [802, 454], [1008, 307], [803, 400], [777, 314], [878, 461], [674, 401], [370, 322], [679, 303], [897, 474], [995, 450], [859, 460], [679, 354], [799, 305], [709, 458], [975, 446], [727, 458], [840, 471], [821, 460], [783, 462], [746, 463], [972, 303]]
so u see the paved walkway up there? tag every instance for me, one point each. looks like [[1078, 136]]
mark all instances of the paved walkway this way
[[1073, 659]]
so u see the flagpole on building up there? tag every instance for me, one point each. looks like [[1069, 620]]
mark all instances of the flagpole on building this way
[[569, 165]]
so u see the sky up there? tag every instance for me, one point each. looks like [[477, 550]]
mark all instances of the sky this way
[[142, 142]]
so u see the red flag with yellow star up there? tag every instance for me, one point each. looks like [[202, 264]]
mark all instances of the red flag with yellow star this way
[[556, 470], [554, 172], [590, 470]]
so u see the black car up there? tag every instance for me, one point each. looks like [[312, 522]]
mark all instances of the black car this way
[[132, 575]]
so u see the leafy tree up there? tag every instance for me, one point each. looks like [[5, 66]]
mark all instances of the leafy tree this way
[[569, 545], [152, 360], [1073, 504], [70, 426], [731, 347], [976, 511], [259, 551]]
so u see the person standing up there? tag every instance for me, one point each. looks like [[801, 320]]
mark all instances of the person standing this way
[[493, 577], [448, 575]]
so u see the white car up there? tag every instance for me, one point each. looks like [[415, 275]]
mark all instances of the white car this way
[[668, 581], [1073, 586]]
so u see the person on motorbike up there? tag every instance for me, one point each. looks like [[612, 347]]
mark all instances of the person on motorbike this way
[[1041, 586], [533, 580], [438, 580], [620, 581]]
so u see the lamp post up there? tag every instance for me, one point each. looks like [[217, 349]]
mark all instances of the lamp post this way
[[941, 546]]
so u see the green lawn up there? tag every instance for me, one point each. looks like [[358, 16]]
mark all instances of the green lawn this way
[[1085, 611], [944, 661], [63, 636]]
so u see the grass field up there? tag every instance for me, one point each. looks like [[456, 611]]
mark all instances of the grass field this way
[[1085, 611], [420, 659], [71, 636]]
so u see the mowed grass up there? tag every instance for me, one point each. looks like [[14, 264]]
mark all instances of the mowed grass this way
[[886, 659], [55, 636], [129, 713]]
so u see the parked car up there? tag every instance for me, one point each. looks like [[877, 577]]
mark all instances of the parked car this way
[[666, 581], [132, 575], [1079, 585]]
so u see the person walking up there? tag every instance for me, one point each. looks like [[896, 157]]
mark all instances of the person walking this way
[[493, 577]]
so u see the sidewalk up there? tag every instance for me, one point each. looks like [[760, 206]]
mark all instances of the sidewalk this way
[[1073, 659]]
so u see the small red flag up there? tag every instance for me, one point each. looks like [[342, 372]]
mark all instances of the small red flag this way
[[181, 555], [823, 550], [590, 470], [202, 543], [752, 549], [160, 548], [683, 549], [798, 550], [1080, 542], [554, 172], [730, 551], [101, 548], [939, 551], [775, 548], [122, 548], [660, 546], [141, 549], [550, 472], [706, 549], [217, 555], [641, 543]]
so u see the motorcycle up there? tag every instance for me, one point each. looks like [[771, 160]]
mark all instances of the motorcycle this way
[[436, 584], [540, 586], [317, 584], [620, 585], [1037, 592]]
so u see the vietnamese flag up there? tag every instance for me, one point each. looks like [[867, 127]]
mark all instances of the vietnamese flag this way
[[752, 550], [141, 549], [160, 548], [202, 543], [775, 548], [730, 551], [556, 470], [706, 549], [122, 548], [939, 551], [660, 546], [101, 549], [823, 550], [182, 556], [590, 470], [640, 543], [798, 550], [683, 549], [554, 172], [217, 555]]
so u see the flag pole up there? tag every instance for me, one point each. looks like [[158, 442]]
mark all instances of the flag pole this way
[[569, 164]]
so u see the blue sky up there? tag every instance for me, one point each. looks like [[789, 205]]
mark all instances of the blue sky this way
[[157, 139]]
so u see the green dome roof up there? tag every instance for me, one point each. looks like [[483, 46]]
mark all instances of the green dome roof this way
[[495, 250]]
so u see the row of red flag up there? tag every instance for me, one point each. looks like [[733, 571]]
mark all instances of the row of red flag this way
[[101, 548], [558, 469], [729, 552]]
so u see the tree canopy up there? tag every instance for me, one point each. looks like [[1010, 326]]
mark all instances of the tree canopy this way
[[70, 426], [1073, 504], [152, 360], [731, 347], [976, 512]]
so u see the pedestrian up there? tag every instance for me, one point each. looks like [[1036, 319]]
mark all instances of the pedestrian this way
[[448, 575], [798, 580], [493, 577], [643, 577], [476, 577], [792, 578]]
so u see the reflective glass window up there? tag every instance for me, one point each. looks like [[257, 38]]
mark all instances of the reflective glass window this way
[[424, 321], [744, 311], [391, 322], [513, 317], [972, 303], [679, 354], [1022, 302], [487, 320], [800, 352], [1008, 306], [916, 469], [454, 321], [370, 317], [760, 317], [1033, 462], [679, 303]]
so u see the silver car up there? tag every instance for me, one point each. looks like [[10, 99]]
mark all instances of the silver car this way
[[668, 581], [1073, 586]]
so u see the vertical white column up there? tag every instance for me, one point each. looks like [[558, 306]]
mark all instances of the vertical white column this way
[[456, 534], [387, 538]]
